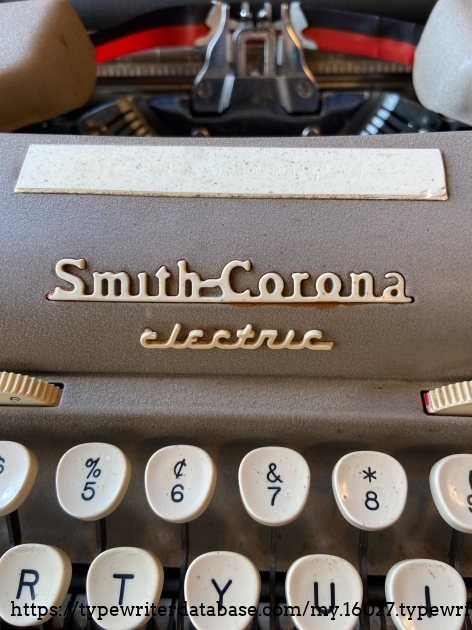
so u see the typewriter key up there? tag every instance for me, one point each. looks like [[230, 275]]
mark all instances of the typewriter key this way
[[124, 584], [450, 481], [326, 589], [426, 595], [370, 489], [35, 580], [179, 482], [92, 479], [222, 590], [274, 484], [18, 470]]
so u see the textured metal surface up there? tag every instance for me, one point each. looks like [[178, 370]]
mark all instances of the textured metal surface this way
[[230, 403], [426, 241], [150, 65]]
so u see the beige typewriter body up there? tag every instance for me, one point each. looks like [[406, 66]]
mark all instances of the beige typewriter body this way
[[364, 393]]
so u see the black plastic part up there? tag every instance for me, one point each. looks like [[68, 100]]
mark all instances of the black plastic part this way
[[273, 577], [101, 536], [14, 528], [364, 621], [185, 544]]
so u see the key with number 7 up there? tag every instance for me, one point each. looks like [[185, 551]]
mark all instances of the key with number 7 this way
[[274, 484]]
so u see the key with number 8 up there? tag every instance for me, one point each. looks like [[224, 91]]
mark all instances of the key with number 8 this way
[[92, 479], [370, 489]]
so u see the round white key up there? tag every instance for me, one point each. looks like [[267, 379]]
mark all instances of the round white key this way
[[426, 587], [179, 482], [227, 584], [18, 470], [370, 489], [274, 484], [34, 578], [450, 481], [323, 583], [124, 584], [92, 479]]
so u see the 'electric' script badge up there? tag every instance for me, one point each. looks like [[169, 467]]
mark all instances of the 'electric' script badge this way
[[108, 286]]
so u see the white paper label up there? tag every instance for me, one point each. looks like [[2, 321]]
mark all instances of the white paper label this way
[[202, 171]]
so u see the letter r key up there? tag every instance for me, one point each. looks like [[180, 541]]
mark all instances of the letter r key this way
[[32, 574]]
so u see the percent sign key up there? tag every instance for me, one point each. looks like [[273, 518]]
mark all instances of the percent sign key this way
[[92, 479]]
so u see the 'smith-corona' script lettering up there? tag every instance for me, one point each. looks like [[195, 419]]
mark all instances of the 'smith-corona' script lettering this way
[[111, 286]]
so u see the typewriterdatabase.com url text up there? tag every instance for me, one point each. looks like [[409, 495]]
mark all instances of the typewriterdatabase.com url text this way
[[347, 609]]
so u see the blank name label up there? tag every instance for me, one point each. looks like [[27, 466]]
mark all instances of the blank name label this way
[[197, 171]]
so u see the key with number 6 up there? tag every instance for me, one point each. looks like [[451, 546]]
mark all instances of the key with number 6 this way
[[370, 489], [179, 482], [92, 479]]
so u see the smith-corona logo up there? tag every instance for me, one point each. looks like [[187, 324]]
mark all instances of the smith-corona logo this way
[[109, 286]]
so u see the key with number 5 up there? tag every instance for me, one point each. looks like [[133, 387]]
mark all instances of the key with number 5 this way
[[92, 479]]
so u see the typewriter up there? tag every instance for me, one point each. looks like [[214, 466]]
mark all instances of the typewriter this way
[[235, 313]]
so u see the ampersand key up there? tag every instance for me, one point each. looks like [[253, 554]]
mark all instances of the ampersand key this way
[[274, 484]]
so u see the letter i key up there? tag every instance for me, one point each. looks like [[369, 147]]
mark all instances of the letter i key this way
[[370, 489], [426, 595], [179, 482], [274, 483], [35, 579]]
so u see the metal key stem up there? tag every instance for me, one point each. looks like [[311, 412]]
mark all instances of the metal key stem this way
[[457, 538], [272, 576], [184, 541], [14, 528], [101, 536], [364, 620]]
